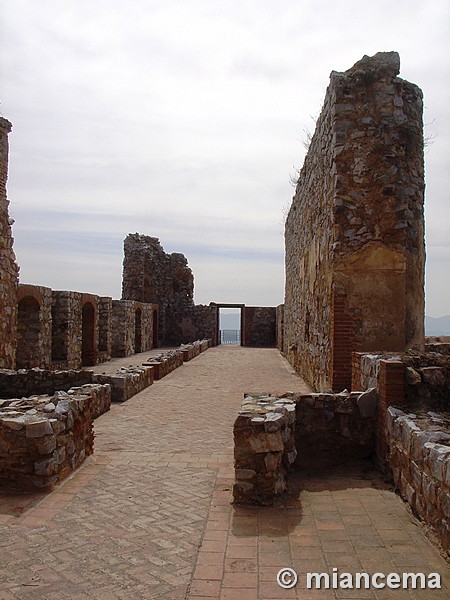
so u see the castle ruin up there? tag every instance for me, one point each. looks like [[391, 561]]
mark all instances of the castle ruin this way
[[355, 251]]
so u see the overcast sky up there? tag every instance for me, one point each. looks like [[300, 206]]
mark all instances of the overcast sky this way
[[184, 120]]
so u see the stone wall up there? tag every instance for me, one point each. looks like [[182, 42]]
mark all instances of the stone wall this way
[[153, 276], [98, 397], [259, 327], [419, 455], [123, 328], [197, 322], [34, 327], [280, 327], [42, 439], [165, 362], [264, 448], [332, 429], [8, 267], [104, 329], [355, 231], [312, 431], [26, 382], [127, 381]]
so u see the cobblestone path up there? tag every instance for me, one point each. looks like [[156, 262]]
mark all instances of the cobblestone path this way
[[149, 515]]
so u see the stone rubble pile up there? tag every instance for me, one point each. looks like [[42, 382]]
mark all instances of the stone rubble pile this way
[[264, 447]]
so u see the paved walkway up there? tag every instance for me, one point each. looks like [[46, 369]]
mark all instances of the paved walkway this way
[[149, 516]]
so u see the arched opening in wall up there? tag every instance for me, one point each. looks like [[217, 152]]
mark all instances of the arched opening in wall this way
[[28, 333], [230, 326], [88, 335], [155, 328], [138, 330]]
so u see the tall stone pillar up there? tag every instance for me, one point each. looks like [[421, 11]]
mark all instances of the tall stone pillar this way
[[9, 271]]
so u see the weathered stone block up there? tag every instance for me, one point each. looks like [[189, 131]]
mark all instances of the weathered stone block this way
[[36, 429]]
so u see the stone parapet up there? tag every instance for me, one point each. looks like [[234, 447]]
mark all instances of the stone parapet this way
[[419, 456], [44, 438], [264, 448]]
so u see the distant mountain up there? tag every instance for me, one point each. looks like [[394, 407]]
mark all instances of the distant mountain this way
[[437, 325]]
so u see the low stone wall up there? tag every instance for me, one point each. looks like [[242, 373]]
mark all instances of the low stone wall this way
[[24, 383], [165, 363], [44, 438], [127, 382], [332, 429], [419, 456], [190, 351], [99, 397], [264, 448], [314, 430], [438, 347]]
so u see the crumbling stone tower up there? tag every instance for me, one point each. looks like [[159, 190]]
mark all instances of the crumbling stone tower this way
[[354, 235], [9, 272], [153, 276]]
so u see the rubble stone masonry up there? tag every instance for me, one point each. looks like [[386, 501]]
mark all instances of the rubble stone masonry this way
[[9, 272], [355, 231], [153, 276]]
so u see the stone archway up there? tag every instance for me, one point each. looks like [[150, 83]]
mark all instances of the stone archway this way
[[28, 332]]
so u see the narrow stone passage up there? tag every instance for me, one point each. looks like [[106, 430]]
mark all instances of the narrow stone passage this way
[[149, 516]]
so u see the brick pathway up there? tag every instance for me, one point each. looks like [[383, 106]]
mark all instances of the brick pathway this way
[[149, 516]]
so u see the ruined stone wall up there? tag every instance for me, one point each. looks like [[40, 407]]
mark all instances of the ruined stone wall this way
[[66, 329], [44, 438], [147, 327], [153, 276], [123, 328], [197, 322], [104, 329], [34, 327], [8, 267], [280, 327], [355, 231], [419, 456], [259, 327]]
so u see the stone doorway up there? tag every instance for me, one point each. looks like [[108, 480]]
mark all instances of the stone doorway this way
[[236, 336]]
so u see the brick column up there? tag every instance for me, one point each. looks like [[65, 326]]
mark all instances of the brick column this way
[[342, 340], [390, 392]]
